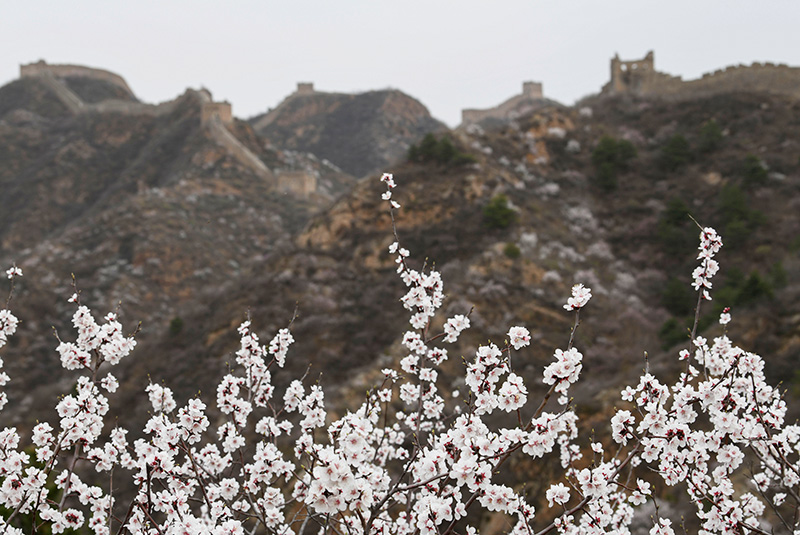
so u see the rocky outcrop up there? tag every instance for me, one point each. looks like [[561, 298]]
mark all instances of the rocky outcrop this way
[[359, 133]]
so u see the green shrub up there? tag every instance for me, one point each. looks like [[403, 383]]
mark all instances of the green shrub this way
[[672, 332], [676, 213], [741, 290], [733, 204], [676, 231], [736, 234], [754, 289], [754, 172], [777, 275], [511, 250], [607, 177], [175, 326], [794, 245], [429, 147], [463, 158], [737, 218], [497, 214], [446, 151], [710, 137], [441, 151], [678, 297], [610, 157], [675, 154]]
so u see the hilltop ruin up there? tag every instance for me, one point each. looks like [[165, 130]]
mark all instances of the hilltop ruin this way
[[532, 98], [639, 77]]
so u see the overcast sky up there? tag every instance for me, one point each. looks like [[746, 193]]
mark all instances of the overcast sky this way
[[448, 54]]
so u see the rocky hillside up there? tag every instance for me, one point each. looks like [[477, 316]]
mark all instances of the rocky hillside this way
[[155, 212], [145, 210], [359, 133], [514, 231]]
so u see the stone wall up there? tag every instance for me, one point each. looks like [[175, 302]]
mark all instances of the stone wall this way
[[63, 71], [531, 92], [223, 137], [301, 183], [73, 103], [639, 77]]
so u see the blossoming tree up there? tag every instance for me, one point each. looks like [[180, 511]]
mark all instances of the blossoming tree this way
[[414, 458]]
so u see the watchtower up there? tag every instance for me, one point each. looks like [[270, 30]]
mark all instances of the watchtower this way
[[532, 90], [220, 110], [630, 76], [305, 88]]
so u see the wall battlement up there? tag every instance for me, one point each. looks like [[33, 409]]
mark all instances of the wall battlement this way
[[516, 105], [639, 77], [65, 71]]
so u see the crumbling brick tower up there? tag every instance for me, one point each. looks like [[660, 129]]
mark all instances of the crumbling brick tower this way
[[631, 76]]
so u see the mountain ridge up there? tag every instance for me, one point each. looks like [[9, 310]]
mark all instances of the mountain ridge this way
[[204, 239], [360, 133]]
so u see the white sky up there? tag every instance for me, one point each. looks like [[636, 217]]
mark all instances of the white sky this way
[[448, 54]]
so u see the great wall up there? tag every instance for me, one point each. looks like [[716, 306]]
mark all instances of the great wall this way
[[303, 89], [214, 116], [639, 77], [532, 97], [628, 77]]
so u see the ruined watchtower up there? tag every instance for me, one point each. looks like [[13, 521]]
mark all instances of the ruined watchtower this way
[[220, 110], [631, 76], [532, 90], [305, 88]]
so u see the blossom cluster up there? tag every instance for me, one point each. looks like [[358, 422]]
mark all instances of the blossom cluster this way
[[710, 244], [580, 296], [414, 457]]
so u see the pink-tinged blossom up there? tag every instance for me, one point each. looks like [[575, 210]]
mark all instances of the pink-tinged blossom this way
[[161, 398], [110, 383], [513, 393], [13, 271], [557, 494], [519, 337], [663, 527], [710, 244], [388, 179], [8, 325], [565, 370], [454, 326], [580, 296], [279, 346]]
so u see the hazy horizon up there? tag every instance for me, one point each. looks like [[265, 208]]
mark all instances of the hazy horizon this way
[[448, 56]]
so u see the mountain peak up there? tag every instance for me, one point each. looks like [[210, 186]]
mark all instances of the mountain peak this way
[[358, 132]]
